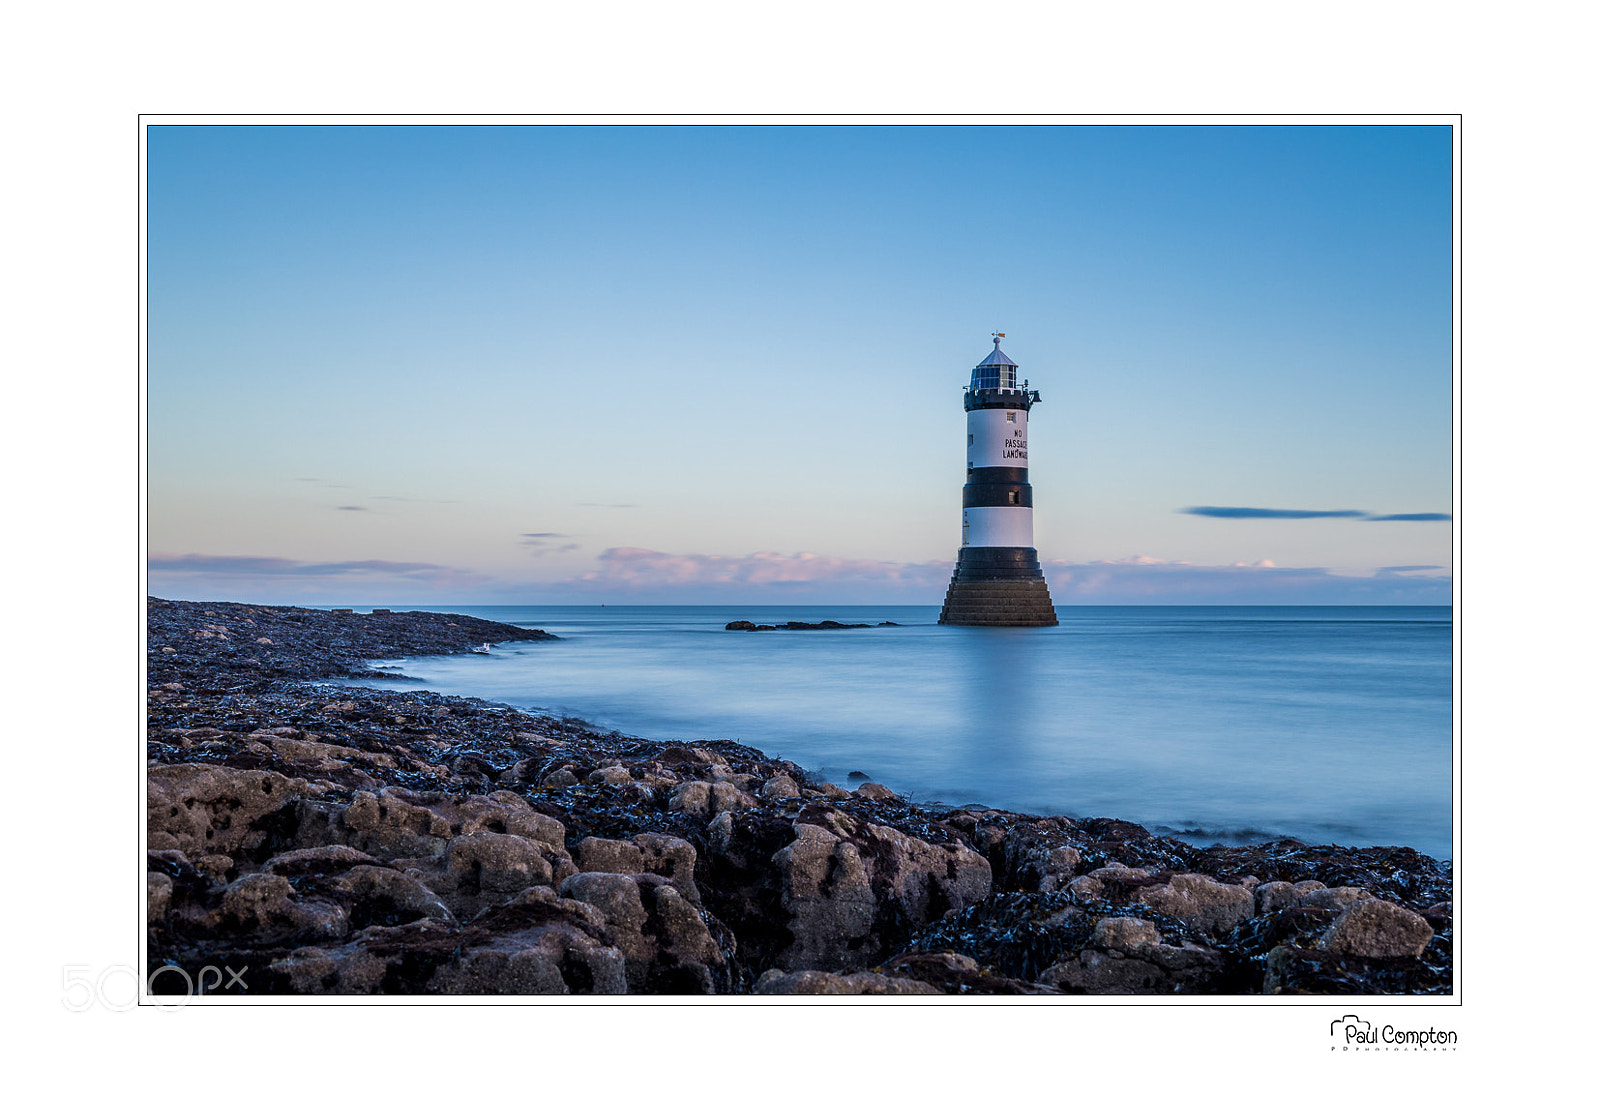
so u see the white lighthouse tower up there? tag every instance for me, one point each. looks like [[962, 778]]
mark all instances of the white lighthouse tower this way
[[997, 581]]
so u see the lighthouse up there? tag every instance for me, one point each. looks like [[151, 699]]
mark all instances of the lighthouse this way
[[997, 581]]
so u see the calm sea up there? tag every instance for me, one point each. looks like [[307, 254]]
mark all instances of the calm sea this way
[[1328, 724]]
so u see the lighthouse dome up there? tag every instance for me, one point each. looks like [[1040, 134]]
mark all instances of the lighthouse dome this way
[[997, 358], [995, 372]]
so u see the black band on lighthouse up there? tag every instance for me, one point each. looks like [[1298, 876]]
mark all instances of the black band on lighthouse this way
[[998, 564], [998, 475], [996, 494]]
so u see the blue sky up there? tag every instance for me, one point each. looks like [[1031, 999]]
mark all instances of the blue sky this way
[[569, 364]]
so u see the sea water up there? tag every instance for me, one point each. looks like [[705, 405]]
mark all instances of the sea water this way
[[1214, 724]]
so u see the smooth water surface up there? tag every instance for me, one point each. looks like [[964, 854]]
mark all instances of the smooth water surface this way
[[1329, 724]]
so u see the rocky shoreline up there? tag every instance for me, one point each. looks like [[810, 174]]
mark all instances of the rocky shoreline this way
[[336, 839]]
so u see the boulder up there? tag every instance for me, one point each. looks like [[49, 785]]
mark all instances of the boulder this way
[[707, 799], [536, 944], [1206, 905], [393, 824], [672, 858], [664, 940], [1275, 896], [1374, 928], [780, 788], [595, 854], [215, 866], [329, 859], [384, 896], [1142, 967], [1337, 899], [264, 907], [504, 811], [850, 888], [1125, 934], [201, 810], [496, 865], [811, 982], [1094, 884]]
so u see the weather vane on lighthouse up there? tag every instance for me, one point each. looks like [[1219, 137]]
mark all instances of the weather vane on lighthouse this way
[[997, 581]]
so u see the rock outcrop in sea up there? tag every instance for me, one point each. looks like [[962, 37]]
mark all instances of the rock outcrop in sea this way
[[334, 839]]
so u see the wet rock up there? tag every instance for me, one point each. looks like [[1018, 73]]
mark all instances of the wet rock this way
[[672, 858], [201, 809], [1334, 898], [1038, 857], [780, 787], [393, 824], [707, 799], [309, 861], [342, 970], [158, 894], [385, 896], [505, 811], [872, 791], [1205, 904], [535, 945], [956, 974], [692, 799], [664, 940], [812, 982], [1125, 934], [1099, 882], [611, 776], [1375, 928], [488, 867], [215, 866], [1275, 896], [1141, 967], [595, 854], [264, 906], [850, 886], [827, 897]]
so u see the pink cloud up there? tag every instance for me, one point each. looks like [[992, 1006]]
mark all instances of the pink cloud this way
[[643, 567]]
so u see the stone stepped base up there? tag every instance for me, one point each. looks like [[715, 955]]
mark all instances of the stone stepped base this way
[[998, 603]]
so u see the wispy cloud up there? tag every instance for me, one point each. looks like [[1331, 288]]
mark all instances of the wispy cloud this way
[[1254, 511], [355, 509], [1413, 517], [1412, 568], [542, 544], [609, 505], [200, 566]]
